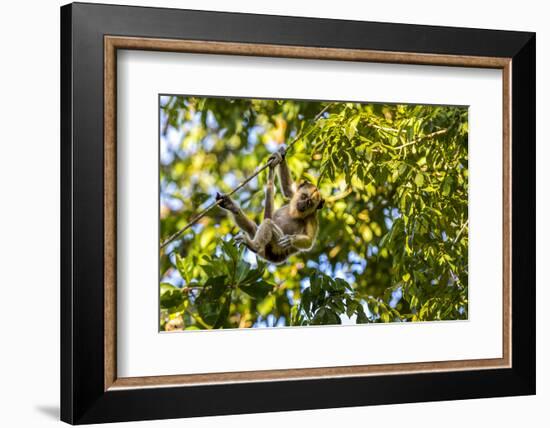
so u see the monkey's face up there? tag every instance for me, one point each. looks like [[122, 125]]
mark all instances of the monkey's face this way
[[306, 200]]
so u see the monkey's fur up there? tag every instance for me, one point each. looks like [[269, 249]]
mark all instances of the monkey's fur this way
[[291, 228]]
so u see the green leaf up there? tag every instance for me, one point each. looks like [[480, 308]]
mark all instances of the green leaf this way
[[447, 185], [326, 316], [164, 286], [171, 298], [230, 249], [419, 179], [266, 306], [327, 283], [224, 313], [254, 274], [294, 315], [217, 284], [184, 267], [209, 309], [361, 316], [341, 285], [352, 128], [351, 307], [385, 239], [337, 305], [305, 301], [243, 269], [258, 290], [206, 237], [315, 285], [331, 317], [371, 189]]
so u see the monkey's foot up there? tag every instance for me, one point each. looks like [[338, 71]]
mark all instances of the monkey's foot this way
[[242, 239], [226, 203]]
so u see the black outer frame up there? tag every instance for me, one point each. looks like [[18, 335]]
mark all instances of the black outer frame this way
[[83, 399]]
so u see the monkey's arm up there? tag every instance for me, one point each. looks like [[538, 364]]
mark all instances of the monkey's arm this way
[[287, 185], [268, 209], [245, 223]]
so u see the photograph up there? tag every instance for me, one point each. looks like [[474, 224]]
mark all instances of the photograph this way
[[295, 213]]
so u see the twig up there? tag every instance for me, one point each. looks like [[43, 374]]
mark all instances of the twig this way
[[382, 128], [460, 232], [339, 196], [433, 134], [197, 318]]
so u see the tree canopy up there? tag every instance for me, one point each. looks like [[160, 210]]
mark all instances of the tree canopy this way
[[393, 241]]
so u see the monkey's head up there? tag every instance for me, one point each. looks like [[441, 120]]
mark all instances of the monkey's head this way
[[306, 200]]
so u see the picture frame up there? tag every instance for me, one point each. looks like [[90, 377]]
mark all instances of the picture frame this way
[[91, 390]]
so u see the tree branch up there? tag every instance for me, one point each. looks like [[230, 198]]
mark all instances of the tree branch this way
[[433, 134]]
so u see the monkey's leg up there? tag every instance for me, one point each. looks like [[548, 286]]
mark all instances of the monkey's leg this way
[[301, 241], [266, 232], [245, 223]]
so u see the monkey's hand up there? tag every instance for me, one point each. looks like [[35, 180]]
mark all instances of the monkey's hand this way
[[277, 157], [286, 242], [227, 203], [240, 239]]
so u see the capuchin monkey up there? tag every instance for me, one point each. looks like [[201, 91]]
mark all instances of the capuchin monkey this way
[[287, 230]]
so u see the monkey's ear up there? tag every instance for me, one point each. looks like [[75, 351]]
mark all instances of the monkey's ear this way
[[321, 204]]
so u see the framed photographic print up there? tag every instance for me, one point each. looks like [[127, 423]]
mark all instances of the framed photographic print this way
[[312, 213]]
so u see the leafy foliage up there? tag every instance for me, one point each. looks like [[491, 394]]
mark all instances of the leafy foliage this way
[[393, 244]]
